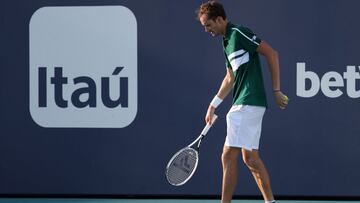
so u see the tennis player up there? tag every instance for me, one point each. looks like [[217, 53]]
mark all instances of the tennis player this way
[[244, 77]]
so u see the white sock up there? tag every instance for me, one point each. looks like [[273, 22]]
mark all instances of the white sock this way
[[272, 201]]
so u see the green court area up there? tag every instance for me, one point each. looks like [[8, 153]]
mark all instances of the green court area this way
[[55, 200]]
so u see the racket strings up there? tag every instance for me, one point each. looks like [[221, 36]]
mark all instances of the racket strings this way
[[182, 166]]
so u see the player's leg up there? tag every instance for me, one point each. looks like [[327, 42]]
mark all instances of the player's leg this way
[[229, 159], [255, 164]]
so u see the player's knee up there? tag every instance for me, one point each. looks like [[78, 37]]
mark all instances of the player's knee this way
[[224, 157], [229, 155], [251, 161]]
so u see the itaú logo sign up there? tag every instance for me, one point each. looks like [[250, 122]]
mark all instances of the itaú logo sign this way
[[332, 84], [83, 67]]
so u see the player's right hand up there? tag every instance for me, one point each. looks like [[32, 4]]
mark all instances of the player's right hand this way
[[209, 115]]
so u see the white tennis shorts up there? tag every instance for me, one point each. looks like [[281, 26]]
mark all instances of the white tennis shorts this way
[[244, 124]]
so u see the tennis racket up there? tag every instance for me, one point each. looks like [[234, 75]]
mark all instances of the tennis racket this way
[[182, 165]]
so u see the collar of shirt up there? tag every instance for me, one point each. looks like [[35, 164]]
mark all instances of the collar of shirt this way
[[228, 31]]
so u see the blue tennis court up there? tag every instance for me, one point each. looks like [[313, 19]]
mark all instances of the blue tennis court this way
[[55, 200]]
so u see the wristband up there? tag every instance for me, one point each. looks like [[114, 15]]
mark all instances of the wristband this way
[[216, 101], [276, 91]]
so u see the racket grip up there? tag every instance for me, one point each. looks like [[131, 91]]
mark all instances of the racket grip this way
[[208, 126]]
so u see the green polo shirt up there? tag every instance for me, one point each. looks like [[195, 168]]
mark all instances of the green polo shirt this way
[[240, 45]]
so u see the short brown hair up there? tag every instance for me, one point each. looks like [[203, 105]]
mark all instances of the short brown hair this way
[[212, 9]]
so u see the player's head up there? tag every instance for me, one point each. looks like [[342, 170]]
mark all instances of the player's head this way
[[213, 17]]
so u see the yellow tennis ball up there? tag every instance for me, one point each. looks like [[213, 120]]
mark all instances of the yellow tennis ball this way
[[286, 98]]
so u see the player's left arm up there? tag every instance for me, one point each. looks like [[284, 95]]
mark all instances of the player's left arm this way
[[272, 59]]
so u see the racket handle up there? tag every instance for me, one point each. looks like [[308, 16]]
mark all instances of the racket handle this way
[[208, 126]]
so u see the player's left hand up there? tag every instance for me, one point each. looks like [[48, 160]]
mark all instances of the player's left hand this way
[[281, 99]]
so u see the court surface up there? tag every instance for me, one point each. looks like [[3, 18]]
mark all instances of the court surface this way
[[55, 200]]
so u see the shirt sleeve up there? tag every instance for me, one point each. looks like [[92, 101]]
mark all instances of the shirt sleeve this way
[[227, 63], [244, 38]]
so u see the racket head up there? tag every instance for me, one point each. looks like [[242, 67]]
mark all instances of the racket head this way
[[182, 166]]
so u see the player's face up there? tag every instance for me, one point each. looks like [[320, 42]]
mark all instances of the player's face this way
[[210, 26]]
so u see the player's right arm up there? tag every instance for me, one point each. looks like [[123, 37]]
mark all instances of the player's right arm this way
[[227, 84], [225, 88]]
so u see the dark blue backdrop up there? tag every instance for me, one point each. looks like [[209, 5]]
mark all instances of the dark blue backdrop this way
[[311, 148]]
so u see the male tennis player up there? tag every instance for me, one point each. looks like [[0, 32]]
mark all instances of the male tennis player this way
[[241, 48]]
